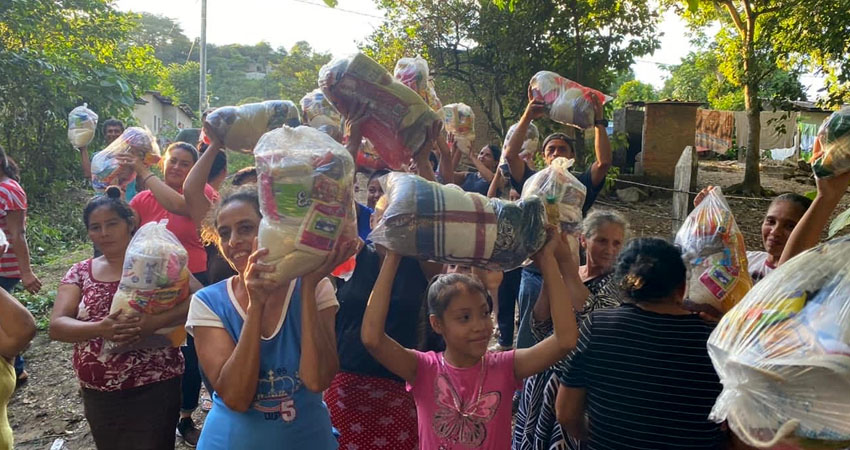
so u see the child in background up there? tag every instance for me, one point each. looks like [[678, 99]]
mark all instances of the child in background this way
[[463, 395]]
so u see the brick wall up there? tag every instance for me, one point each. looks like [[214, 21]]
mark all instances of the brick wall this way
[[667, 129]]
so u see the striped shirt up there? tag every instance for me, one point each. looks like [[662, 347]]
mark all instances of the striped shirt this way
[[649, 381], [12, 198]]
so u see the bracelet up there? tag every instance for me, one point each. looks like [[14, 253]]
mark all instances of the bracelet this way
[[145, 179]]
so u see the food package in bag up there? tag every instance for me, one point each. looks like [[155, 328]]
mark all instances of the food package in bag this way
[[318, 111], [563, 195], [529, 146], [567, 102], [82, 124], [240, 127], [459, 120], [368, 159], [416, 75], [443, 223], [154, 279], [398, 119], [4, 242], [715, 254], [105, 170], [831, 151], [306, 188], [783, 355]]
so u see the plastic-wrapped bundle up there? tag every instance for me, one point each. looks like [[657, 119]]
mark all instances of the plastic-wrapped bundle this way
[[318, 110], [529, 146], [416, 75], [82, 124], [831, 152], [563, 195], [155, 278], [567, 102], [398, 119], [443, 223], [714, 252], [105, 170], [459, 120], [783, 355], [368, 159], [240, 127], [306, 187]]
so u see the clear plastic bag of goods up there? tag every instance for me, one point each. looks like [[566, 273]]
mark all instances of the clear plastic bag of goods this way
[[240, 127], [368, 159], [318, 110], [530, 146], [563, 196], [4, 242], [459, 120], [306, 189], [398, 119], [783, 355], [416, 75], [567, 102], [831, 151], [105, 170], [715, 254], [155, 279], [443, 223], [82, 124]]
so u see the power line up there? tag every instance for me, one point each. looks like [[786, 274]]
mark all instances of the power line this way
[[349, 11]]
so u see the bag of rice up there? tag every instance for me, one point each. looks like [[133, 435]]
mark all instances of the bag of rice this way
[[82, 124]]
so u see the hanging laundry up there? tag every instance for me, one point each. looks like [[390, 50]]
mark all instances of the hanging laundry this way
[[714, 130]]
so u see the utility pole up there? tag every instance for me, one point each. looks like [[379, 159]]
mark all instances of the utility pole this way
[[202, 101]]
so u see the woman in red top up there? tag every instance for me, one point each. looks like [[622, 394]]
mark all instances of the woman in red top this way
[[164, 200], [131, 399]]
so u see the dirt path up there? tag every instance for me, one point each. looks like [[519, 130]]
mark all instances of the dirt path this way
[[49, 407]]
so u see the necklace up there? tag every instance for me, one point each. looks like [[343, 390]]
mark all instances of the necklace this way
[[478, 389]]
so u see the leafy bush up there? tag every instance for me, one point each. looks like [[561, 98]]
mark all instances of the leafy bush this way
[[39, 305]]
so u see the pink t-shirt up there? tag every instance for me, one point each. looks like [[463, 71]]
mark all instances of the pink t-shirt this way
[[149, 210], [466, 408]]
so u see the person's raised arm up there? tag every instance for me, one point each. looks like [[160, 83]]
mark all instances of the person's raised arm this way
[[233, 367], [17, 237], [496, 184], [604, 158], [85, 162], [167, 197], [319, 359], [530, 361], [569, 273], [808, 230], [483, 170], [17, 326], [534, 110], [353, 132], [384, 349], [196, 201]]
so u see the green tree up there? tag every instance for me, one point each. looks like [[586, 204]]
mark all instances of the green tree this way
[[757, 37], [493, 52], [297, 73], [171, 46], [182, 83], [55, 55], [634, 90], [239, 71]]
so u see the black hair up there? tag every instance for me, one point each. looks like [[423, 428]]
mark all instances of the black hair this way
[[377, 174], [561, 136], [800, 200], [445, 287], [497, 152], [247, 194], [112, 123], [9, 166], [241, 176], [112, 199], [219, 166], [650, 269], [183, 146]]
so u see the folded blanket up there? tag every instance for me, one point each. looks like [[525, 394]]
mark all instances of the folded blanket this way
[[398, 118], [567, 102], [447, 225], [831, 151], [240, 127]]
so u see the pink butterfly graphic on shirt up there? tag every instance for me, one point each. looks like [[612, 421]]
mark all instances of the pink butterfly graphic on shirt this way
[[459, 422]]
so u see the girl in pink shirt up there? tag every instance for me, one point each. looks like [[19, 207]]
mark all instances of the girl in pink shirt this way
[[464, 395]]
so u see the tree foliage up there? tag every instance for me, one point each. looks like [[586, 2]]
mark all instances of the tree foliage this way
[[491, 52], [297, 72], [55, 55], [634, 90], [182, 83]]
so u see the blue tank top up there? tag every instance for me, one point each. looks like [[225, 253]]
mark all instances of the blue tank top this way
[[284, 413]]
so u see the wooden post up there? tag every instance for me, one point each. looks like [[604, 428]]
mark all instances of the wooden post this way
[[685, 180]]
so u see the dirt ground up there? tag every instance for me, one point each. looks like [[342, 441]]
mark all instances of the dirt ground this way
[[48, 407]]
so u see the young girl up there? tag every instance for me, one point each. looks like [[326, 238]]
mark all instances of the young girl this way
[[463, 395]]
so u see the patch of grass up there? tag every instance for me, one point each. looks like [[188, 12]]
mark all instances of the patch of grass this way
[[40, 305]]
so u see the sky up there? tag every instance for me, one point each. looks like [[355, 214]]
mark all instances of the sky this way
[[285, 22]]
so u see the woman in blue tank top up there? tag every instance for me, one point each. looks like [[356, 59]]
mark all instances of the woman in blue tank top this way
[[268, 348]]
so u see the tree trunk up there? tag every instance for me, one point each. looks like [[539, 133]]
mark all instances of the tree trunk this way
[[752, 182]]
